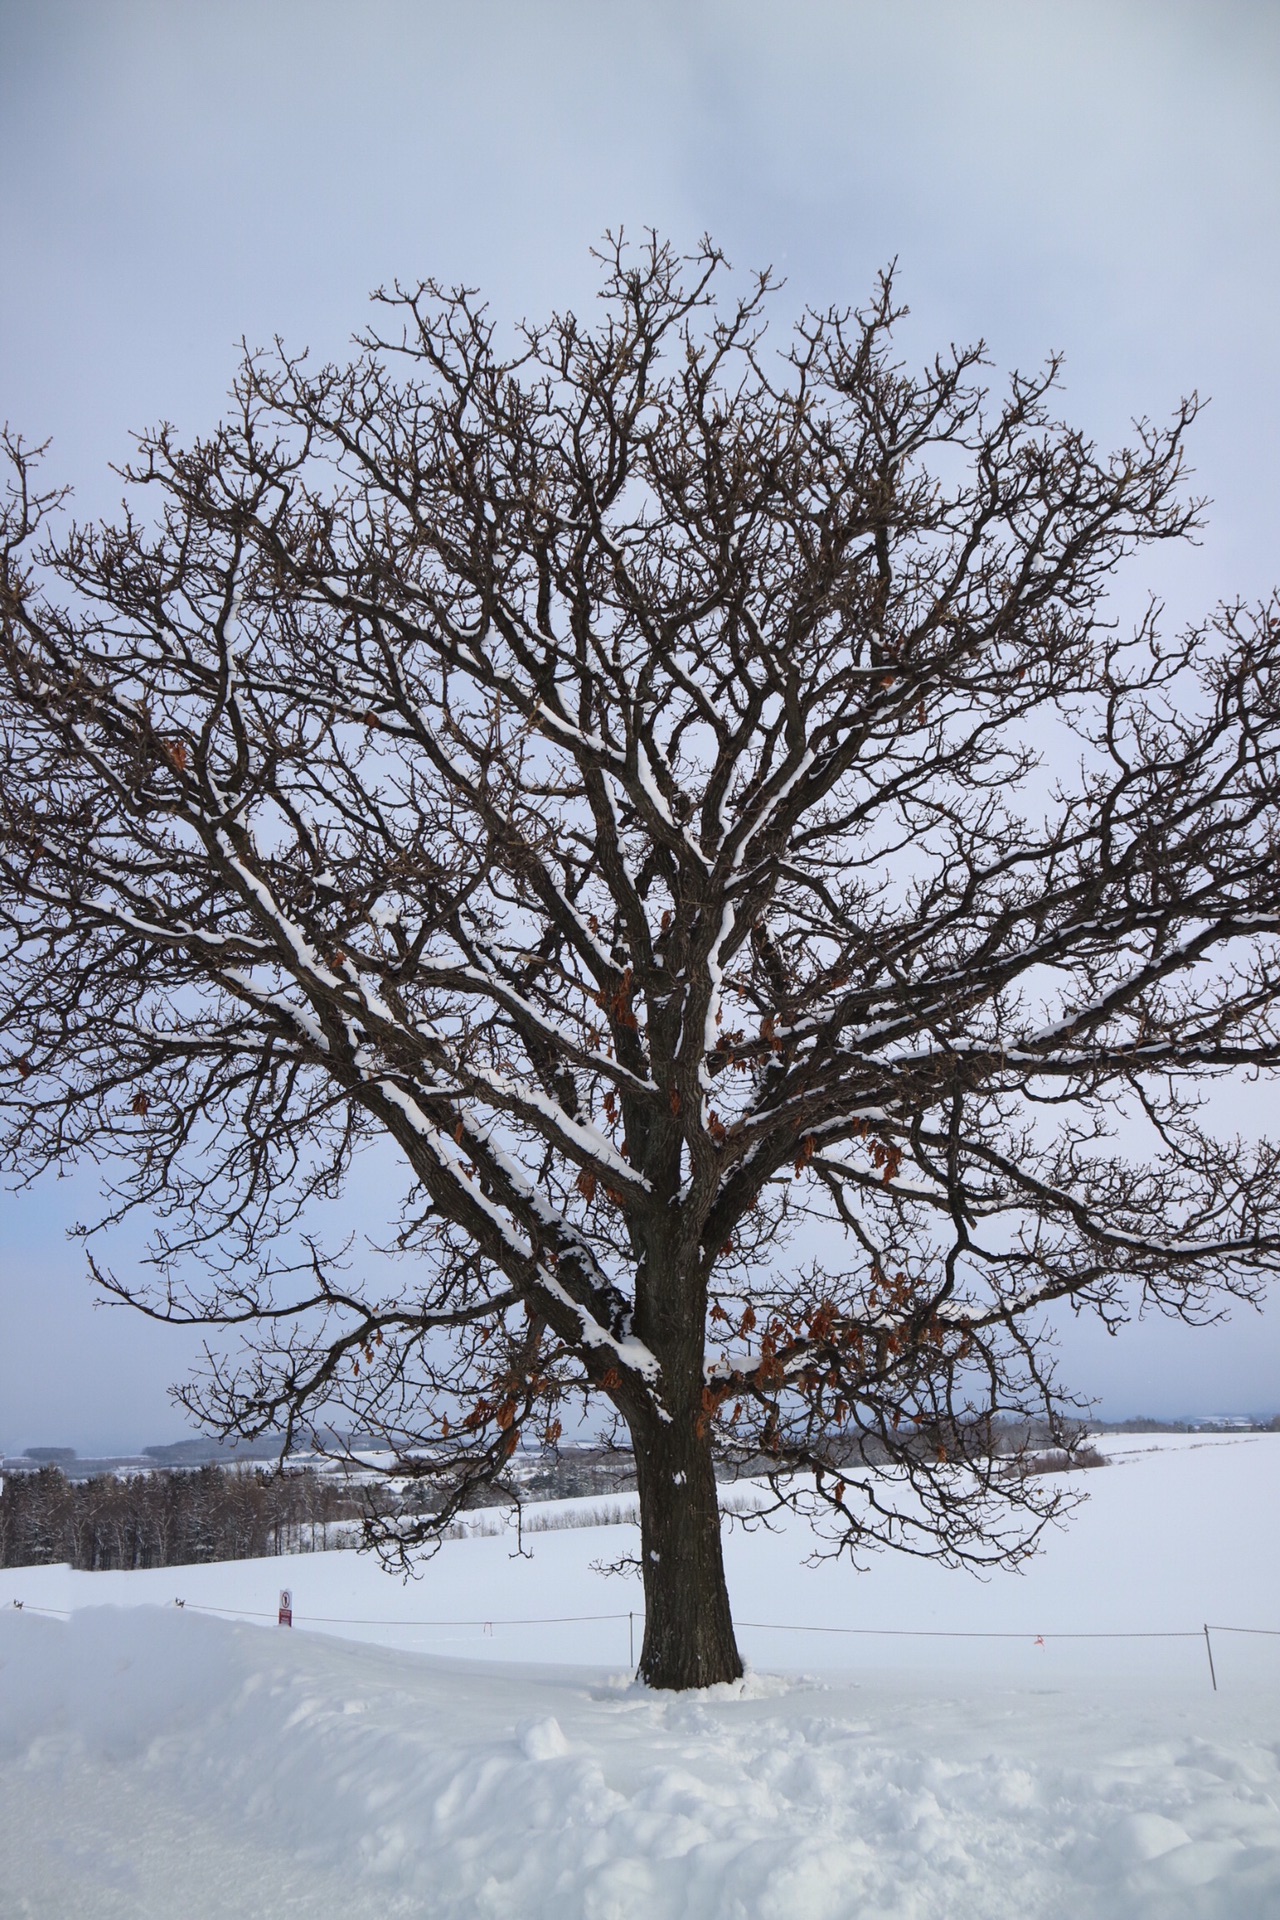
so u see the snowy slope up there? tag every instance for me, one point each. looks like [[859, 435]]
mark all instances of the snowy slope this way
[[156, 1762], [1179, 1530]]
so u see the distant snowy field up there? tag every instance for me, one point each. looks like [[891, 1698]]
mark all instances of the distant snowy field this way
[[165, 1763]]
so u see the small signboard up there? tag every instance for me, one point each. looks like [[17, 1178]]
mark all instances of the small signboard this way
[[286, 1607]]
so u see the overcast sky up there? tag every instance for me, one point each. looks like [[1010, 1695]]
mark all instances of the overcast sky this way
[[1099, 178]]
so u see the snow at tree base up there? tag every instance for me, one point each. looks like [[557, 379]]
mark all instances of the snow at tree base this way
[[164, 1762]]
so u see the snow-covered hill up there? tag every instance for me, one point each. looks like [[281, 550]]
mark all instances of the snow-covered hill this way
[[162, 1762]]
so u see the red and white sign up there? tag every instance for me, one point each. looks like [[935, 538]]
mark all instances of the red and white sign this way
[[286, 1607]]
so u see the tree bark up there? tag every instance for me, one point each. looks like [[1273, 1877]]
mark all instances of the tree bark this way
[[688, 1628]]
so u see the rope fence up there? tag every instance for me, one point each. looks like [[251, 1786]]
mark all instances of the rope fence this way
[[1204, 1631]]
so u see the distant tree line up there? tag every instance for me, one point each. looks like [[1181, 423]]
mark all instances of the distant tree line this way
[[168, 1519], [177, 1517]]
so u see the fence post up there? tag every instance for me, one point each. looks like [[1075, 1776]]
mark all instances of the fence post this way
[[631, 1640], [1209, 1650]]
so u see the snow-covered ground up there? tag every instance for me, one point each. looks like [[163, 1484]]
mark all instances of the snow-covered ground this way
[[161, 1762]]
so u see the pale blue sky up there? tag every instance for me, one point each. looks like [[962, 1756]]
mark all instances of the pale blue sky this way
[[1103, 178]]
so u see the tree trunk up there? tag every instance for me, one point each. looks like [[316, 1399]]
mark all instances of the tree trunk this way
[[688, 1628]]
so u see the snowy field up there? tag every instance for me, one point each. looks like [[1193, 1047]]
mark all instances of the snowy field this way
[[375, 1761]]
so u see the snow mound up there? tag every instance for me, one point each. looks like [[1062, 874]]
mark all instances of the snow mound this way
[[159, 1763], [155, 1763]]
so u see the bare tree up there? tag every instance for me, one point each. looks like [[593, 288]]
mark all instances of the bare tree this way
[[612, 770]]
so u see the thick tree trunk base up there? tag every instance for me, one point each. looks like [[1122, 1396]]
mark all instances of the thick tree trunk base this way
[[688, 1629]]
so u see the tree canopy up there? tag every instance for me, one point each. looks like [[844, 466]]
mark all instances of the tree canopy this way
[[684, 795]]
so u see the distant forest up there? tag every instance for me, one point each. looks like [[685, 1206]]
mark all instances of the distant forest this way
[[168, 1519], [179, 1517]]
